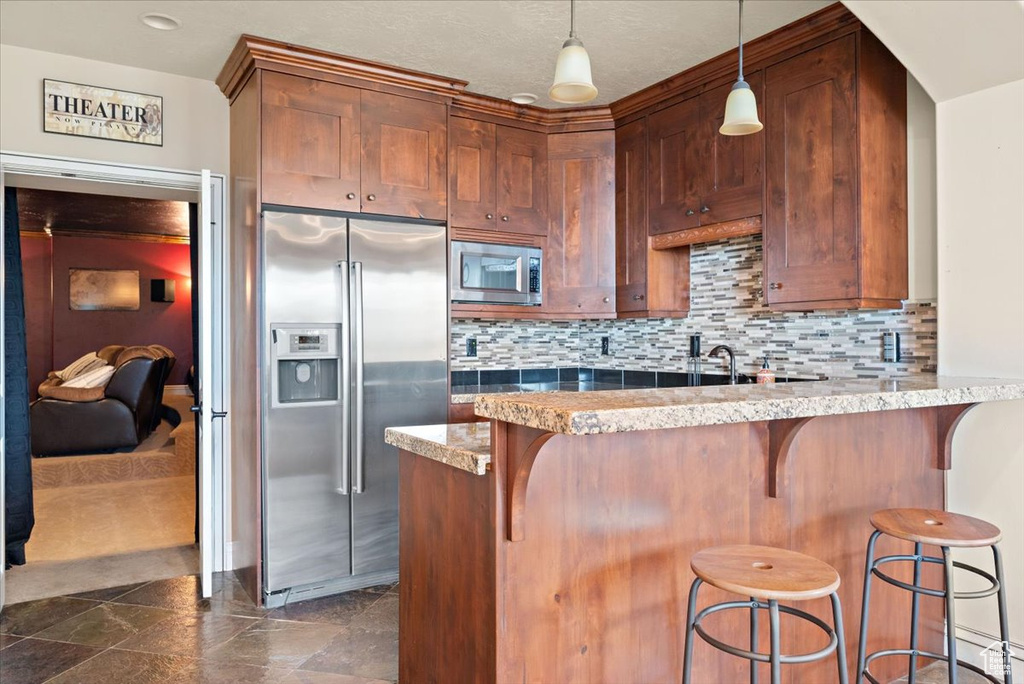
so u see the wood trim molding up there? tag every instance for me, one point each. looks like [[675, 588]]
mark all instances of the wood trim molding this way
[[947, 419], [252, 52], [717, 231], [837, 304], [116, 235], [781, 434], [565, 120], [519, 466], [495, 237], [832, 18]]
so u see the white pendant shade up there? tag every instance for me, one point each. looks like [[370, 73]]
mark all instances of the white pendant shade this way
[[740, 112], [573, 82]]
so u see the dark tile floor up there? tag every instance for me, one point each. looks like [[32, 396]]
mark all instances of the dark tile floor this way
[[163, 632]]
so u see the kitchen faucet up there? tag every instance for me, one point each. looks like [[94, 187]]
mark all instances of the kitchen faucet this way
[[732, 360]]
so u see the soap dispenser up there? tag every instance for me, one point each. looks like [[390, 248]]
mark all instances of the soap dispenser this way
[[766, 375]]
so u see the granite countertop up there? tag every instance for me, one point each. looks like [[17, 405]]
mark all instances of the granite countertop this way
[[466, 394], [575, 413], [466, 446]]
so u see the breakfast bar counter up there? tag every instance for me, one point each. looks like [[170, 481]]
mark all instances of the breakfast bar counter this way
[[552, 542]]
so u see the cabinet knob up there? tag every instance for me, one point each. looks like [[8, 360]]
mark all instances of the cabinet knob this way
[[775, 286], [579, 305], [371, 197], [350, 195], [605, 300], [689, 212], [490, 216], [705, 209], [505, 219], [638, 298]]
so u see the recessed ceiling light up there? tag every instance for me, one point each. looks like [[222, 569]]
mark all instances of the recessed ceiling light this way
[[161, 22], [523, 98]]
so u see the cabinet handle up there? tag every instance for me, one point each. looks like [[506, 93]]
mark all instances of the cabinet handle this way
[[371, 197], [775, 286], [689, 212], [490, 216], [638, 298], [505, 219], [350, 195], [705, 209]]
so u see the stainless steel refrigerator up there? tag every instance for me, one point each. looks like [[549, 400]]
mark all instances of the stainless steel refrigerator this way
[[356, 338]]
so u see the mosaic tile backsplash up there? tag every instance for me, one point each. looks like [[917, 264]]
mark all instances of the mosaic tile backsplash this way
[[726, 308]]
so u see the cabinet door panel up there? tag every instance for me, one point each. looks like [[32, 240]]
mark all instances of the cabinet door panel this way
[[310, 139], [404, 152], [471, 160], [579, 262], [734, 176], [678, 153], [810, 227], [522, 200], [631, 217]]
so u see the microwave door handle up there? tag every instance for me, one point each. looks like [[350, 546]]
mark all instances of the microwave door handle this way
[[341, 477], [523, 273]]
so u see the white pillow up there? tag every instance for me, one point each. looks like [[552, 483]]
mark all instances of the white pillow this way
[[83, 365], [97, 377]]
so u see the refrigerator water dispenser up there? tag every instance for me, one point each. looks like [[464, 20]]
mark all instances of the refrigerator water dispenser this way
[[306, 365]]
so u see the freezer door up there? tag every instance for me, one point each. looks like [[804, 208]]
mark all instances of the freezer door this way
[[306, 505], [400, 346]]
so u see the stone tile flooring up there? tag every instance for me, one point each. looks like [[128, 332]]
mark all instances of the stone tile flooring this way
[[163, 632]]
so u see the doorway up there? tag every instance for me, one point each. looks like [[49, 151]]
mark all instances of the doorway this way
[[206, 193]]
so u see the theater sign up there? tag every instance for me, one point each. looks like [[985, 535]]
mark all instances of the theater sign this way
[[95, 112]]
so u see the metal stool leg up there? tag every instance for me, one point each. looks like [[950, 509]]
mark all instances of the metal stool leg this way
[[1004, 625], [862, 648], [776, 652], [837, 625], [947, 561], [753, 639], [914, 612], [691, 615]]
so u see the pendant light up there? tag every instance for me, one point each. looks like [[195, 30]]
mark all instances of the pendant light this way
[[573, 81], [740, 107]]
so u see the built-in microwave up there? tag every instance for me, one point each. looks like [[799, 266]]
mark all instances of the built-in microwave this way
[[496, 274]]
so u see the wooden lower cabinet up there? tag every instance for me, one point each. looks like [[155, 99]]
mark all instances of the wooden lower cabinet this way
[[579, 257], [648, 282], [835, 228]]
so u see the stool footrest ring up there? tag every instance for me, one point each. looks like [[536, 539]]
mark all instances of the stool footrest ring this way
[[924, 654], [764, 657], [938, 593]]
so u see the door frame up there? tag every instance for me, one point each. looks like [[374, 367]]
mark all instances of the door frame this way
[[27, 164]]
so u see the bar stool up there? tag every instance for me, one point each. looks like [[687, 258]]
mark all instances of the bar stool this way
[[947, 531], [767, 575]]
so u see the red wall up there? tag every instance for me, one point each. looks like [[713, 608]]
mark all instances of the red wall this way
[[36, 269], [78, 332]]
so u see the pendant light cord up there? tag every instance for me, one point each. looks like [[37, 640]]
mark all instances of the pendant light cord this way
[[740, 39], [572, 18]]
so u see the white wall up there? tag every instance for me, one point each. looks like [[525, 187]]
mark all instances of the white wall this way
[[980, 151], [921, 229], [195, 112]]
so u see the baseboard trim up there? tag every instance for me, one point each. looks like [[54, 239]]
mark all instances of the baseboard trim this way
[[182, 390], [982, 639]]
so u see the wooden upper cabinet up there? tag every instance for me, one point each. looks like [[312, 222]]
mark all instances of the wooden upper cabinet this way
[[404, 152], [471, 173], [310, 143], [733, 171], [579, 261], [647, 282], [522, 181], [835, 231], [678, 153]]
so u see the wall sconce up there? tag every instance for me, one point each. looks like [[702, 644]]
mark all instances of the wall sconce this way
[[161, 290]]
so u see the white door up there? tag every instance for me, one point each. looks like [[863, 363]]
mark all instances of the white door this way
[[210, 370]]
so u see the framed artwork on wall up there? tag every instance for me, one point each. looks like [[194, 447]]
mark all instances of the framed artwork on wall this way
[[103, 290], [97, 112]]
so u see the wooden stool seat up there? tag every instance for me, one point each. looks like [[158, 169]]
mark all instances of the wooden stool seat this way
[[938, 528], [765, 572]]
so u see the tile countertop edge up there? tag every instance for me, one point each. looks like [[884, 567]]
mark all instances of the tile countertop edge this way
[[465, 446], [697, 409]]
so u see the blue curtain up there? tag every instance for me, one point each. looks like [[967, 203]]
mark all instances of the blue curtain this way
[[18, 452]]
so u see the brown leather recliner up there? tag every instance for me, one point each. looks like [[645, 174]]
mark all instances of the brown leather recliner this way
[[167, 359], [122, 418]]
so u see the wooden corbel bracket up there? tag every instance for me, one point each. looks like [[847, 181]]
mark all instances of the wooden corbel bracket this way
[[947, 418], [781, 434], [520, 465]]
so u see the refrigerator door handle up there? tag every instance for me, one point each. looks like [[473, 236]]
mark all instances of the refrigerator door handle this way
[[341, 476], [357, 410]]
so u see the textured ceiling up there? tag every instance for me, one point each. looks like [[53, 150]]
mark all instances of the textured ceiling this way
[[499, 46]]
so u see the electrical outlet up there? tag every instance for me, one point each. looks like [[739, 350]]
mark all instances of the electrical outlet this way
[[605, 344], [891, 352], [470, 346]]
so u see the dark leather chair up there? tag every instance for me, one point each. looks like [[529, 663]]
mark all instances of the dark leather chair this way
[[167, 362], [122, 418]]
